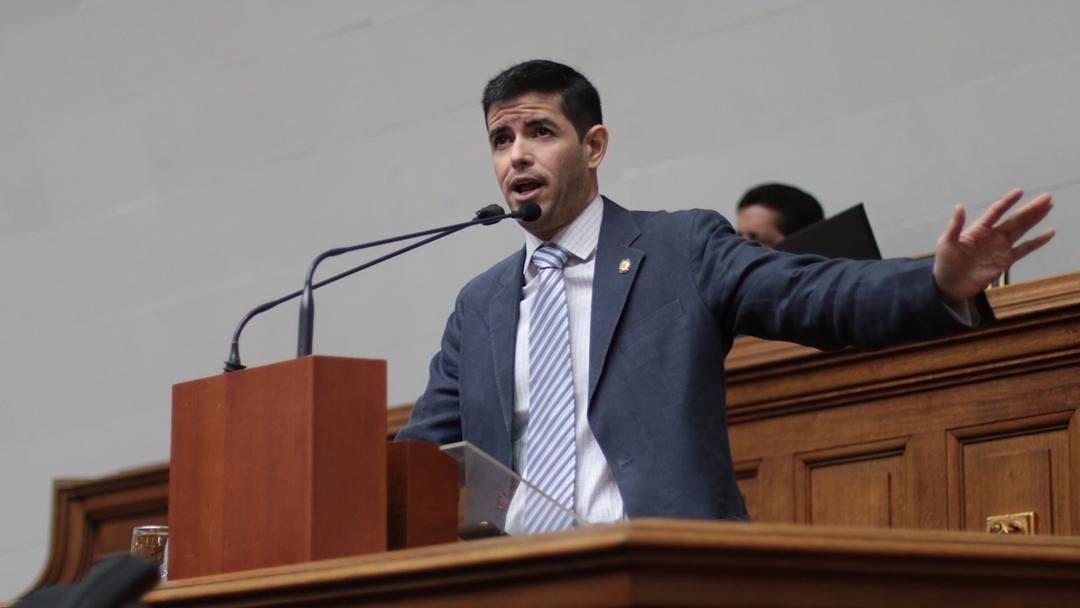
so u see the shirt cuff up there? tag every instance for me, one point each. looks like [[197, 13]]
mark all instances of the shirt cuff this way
[[965, 313]]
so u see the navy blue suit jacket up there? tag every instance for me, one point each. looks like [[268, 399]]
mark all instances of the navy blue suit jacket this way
[[658, 339]]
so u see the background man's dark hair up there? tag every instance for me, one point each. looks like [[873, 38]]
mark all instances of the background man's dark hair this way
[[580, 101], [797, 209]]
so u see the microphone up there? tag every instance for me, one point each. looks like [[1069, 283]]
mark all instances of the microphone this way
[[488, 215], [528, 212], [306, 330], [488, 212]]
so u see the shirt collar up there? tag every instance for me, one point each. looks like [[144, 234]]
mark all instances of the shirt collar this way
[[580, 237]]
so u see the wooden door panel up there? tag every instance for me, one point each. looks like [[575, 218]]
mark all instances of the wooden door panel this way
[[857, 494], [1014, 466], [856, 485]]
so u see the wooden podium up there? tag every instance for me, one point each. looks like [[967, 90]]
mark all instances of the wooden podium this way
[[280, 464], [650, 563]]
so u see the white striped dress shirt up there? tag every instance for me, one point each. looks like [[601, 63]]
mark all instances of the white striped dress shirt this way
[[597, 496]]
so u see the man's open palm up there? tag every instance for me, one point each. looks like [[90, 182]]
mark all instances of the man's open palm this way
[[969, 259]]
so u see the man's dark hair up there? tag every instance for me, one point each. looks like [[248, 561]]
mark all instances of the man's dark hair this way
[[580, 101], [797, 209]]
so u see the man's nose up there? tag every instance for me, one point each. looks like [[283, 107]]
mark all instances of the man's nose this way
[[521, 153]]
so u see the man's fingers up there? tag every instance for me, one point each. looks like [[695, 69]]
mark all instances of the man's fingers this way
[[998, 209], [956, 225], [1031, 245], [1026, 217]]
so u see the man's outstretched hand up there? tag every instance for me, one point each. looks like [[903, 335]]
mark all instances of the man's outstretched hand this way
[[969, 259]]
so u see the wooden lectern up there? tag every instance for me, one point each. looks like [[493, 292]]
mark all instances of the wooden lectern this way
[[277, 465]]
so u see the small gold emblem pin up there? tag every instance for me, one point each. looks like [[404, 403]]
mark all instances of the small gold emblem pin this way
[[624, 266]]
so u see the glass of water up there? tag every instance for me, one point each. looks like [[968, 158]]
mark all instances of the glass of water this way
[[152, 543]]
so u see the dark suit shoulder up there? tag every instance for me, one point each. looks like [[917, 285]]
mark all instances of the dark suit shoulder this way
[[480, 288], [683, 217], [682, 224]]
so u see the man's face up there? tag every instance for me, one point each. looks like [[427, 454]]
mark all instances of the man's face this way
[[759, 223], [539, 158]]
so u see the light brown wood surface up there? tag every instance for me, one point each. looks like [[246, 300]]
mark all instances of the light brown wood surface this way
[[279, 464], [937, 435], [674, 563]]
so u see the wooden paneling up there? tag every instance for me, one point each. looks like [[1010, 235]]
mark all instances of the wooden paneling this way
[[769, 379], [857, 485], [934, 435], [1013, 466], [91, 518], [95, 517]]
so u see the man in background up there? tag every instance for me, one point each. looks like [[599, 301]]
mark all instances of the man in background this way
[[769, 212]]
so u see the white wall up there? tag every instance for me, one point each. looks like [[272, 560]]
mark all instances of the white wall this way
[[164, 166]]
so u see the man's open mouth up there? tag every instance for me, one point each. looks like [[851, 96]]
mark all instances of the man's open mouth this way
[[525, 187]]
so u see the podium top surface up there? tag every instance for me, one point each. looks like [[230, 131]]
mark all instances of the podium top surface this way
[[638, 563]]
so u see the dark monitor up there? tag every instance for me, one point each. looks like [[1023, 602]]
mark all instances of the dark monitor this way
[[844, 235]]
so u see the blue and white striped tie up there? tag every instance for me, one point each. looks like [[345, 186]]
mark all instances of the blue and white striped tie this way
[[549, 447]]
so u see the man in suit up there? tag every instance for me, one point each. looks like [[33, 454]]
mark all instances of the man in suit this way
[[591, 361]]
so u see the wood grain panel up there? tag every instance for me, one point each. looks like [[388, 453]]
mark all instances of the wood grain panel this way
[[278, 464], [856, 485], [1012, 466], [999, 483], [859, 494]]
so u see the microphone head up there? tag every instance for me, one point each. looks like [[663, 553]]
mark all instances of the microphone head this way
[[492, 210], [528, 212]]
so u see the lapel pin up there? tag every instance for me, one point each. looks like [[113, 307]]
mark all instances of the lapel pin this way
[[624, 266]]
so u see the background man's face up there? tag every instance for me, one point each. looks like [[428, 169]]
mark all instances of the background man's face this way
[[759, 223], [539, 158]]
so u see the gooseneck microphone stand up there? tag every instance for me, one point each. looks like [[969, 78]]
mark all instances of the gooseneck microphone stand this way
[[490, 214]]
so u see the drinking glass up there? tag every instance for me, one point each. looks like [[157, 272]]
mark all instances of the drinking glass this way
[[152, 543]]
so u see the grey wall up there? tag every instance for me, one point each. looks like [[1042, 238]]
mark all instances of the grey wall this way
[[166, 165]]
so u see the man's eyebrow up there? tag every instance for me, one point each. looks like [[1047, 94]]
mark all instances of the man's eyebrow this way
[[540, 121], [498, 130]]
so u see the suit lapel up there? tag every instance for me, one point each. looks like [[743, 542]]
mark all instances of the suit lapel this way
[[616, 268], [503, 321]]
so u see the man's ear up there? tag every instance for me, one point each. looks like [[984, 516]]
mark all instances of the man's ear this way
[[596, 141]]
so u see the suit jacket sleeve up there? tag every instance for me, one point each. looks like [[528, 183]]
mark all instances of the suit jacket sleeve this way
[[825, 303], [436, 416]]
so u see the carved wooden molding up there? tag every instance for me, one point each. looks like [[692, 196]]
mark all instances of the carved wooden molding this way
[[82, 506], [747, 469], [769, 379], [1012, 301], [1036, 296]]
